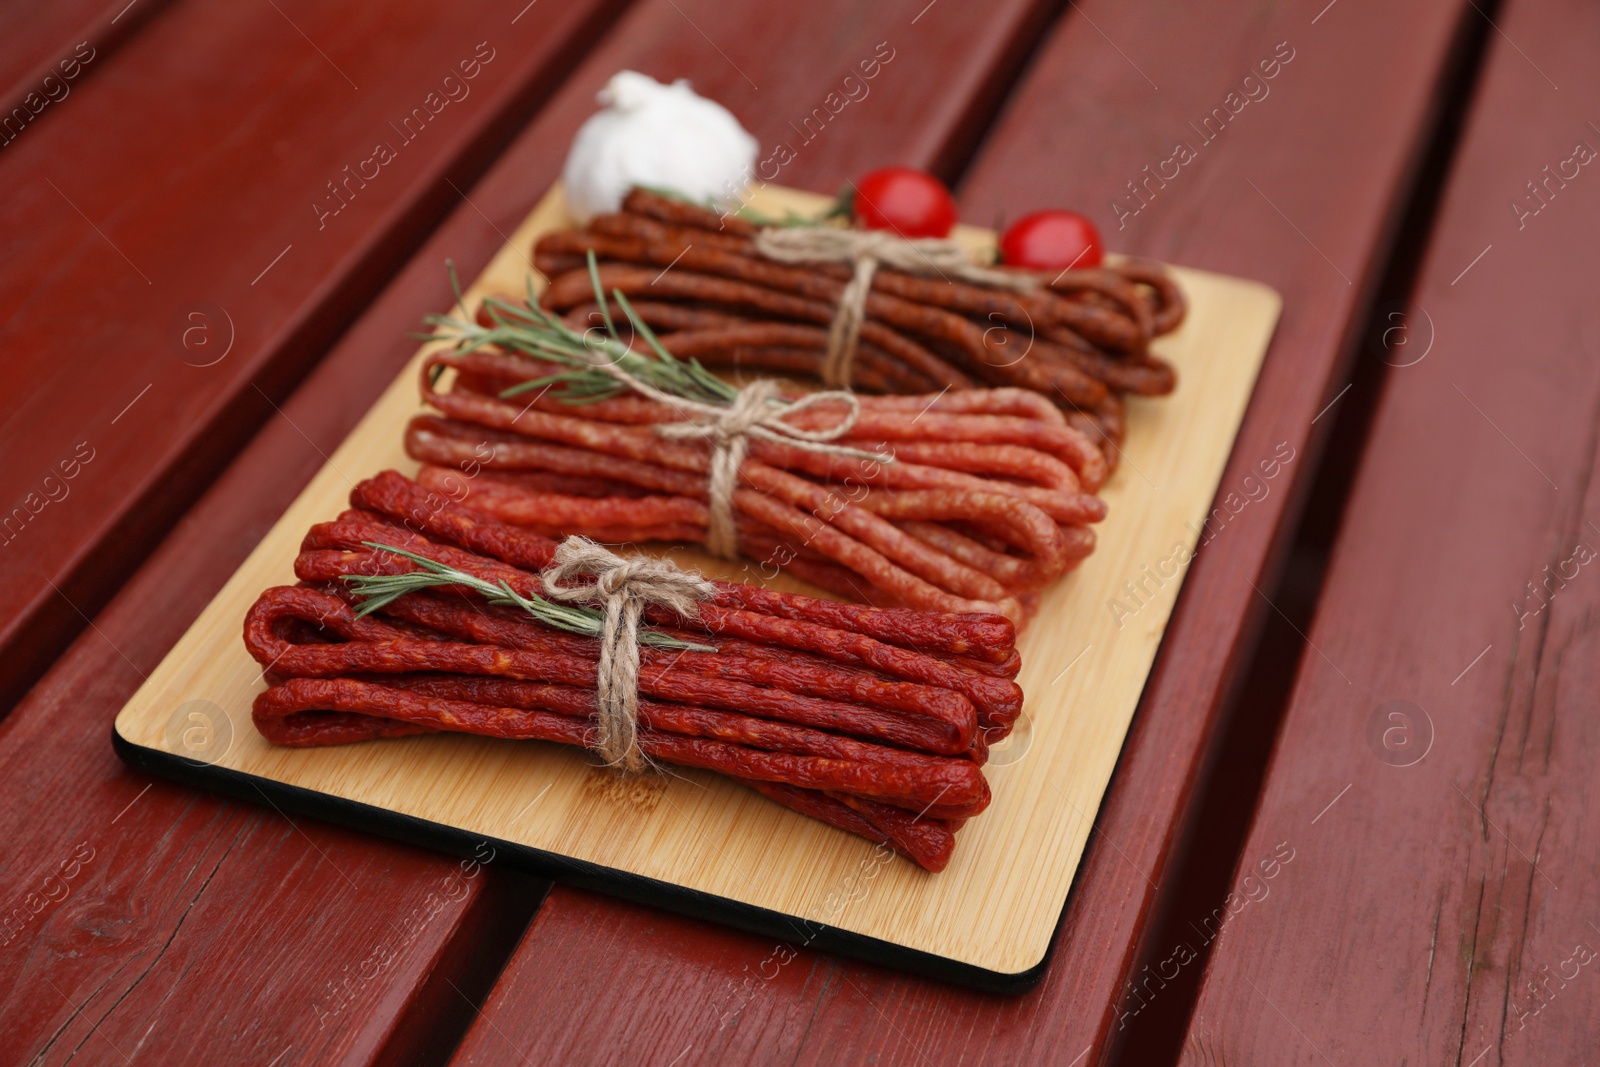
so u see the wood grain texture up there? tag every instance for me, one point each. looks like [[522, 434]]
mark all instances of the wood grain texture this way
[[167, 269], [168, 591], [1333, 145], [198, 930], [45, 38], [1440, 905], [148, 922], [995, 907]]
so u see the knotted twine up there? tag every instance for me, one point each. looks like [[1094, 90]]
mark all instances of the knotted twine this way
[[755, 411], [622, 589], [868, 249]]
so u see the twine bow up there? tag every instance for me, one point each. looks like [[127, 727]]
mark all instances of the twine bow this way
[[623, 588], [867, 250], [755, 411]]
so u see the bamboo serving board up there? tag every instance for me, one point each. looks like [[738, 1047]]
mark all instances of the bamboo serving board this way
[[694, 841]]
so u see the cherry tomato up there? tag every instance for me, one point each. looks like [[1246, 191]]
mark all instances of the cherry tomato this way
[[904, 201], [1052, 240]]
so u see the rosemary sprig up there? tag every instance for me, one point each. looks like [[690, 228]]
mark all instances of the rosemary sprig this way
[[529, 329], [381, 590]]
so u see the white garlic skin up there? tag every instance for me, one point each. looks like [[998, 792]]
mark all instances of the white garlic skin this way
[[663, 136]]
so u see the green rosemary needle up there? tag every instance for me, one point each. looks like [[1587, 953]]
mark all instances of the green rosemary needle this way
[[532, 331], [380, 590]]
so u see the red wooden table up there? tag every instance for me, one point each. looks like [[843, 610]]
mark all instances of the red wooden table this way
[[185, 324], [1433, 776]]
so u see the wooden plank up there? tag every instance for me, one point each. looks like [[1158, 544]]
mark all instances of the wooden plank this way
[[200, 257], [1334, 149], [342, 946], [67, 712], [123, 898], [51, 48], [1433, 775], [988, 915]]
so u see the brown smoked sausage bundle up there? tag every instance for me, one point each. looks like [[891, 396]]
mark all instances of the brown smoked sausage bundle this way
[[874, 720], [1082, 340], [990, 495]]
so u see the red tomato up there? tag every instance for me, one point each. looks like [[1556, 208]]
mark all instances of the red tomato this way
[[904, 201], [1052, 240]]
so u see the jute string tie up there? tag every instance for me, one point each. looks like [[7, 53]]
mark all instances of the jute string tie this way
[[756, 411], [622, 589], [867, 250]]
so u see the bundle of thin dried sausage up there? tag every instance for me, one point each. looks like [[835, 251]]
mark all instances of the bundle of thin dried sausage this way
[[876, 721], [982, 497], [700, 281]]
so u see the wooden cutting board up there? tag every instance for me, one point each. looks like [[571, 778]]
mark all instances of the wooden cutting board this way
[[695, 842]]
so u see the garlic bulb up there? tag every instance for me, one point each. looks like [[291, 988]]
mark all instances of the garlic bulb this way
[[663, 136]]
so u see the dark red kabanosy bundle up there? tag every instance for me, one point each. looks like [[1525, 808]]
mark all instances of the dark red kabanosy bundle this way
[[872, 720]]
